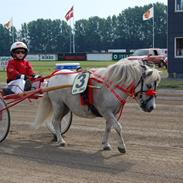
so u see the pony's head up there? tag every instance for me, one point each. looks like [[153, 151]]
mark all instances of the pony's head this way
[[136, 75], [145, 90]]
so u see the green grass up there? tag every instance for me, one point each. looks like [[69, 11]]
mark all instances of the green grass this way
[[2, 76], [46, 67], [171, 83]]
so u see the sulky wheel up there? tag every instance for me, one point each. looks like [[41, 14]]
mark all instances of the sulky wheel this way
[[65, 124], [4, 120]]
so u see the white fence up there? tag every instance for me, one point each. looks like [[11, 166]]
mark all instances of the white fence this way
[[42, 57], [99, 56]]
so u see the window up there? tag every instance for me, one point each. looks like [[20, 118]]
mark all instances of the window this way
[[141, 52], [155, 52], [178, 5], [179, 47]]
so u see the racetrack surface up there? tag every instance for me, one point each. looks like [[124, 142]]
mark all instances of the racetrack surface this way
[[154, 147]]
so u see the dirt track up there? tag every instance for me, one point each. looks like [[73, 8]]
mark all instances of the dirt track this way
[[154, 148]]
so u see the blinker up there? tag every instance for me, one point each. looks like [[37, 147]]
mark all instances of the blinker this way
[[150, 92]]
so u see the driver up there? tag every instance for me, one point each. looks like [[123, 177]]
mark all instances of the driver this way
[[19, 71]]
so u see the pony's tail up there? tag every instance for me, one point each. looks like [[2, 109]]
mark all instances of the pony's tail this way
[[43, 112]]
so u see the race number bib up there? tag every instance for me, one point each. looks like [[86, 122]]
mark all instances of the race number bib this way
[[80, 83]]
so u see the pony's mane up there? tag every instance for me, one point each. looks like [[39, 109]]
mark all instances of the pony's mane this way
[[126, 72], [154, 77]]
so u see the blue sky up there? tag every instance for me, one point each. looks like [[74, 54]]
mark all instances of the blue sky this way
[[24, 11]]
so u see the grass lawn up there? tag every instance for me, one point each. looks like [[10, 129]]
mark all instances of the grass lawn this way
[[46, 67], [171, 83]]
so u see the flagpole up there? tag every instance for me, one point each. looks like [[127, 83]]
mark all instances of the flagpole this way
[[148, 15], [73, 33], [153, 25], [68, 17], [70, 38]]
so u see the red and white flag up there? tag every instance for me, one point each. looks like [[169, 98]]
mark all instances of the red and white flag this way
[[70, 14], [148, 14], [9, 24]]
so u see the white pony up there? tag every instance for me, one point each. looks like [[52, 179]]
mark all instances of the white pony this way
[[111, 87]]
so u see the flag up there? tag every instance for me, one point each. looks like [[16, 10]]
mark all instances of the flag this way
[[148, 14], [9, 24], [70, 14]]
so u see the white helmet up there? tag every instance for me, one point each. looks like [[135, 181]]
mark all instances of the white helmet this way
[[18, 45]]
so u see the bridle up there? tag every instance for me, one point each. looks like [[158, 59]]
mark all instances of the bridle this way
[[149, 92]]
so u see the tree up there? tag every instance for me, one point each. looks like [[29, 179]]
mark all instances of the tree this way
[[81, 34], [125, 31], [161, 25], [47, 36], [134, 33], [23, 34], [87, 33], [5, 41]]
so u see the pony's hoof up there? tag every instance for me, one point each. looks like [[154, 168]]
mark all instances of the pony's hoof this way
[[62, 144], [121, 150], [107, 148], [54, 139]]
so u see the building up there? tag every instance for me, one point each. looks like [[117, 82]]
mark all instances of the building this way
[[175, 38]]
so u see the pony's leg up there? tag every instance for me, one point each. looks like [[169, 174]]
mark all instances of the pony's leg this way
[[112, 122], [121, 144], [105, 143], [57, 116], [56, 124]]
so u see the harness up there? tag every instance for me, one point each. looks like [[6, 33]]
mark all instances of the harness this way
[[107, 83], [130, 91], [87, 96]]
